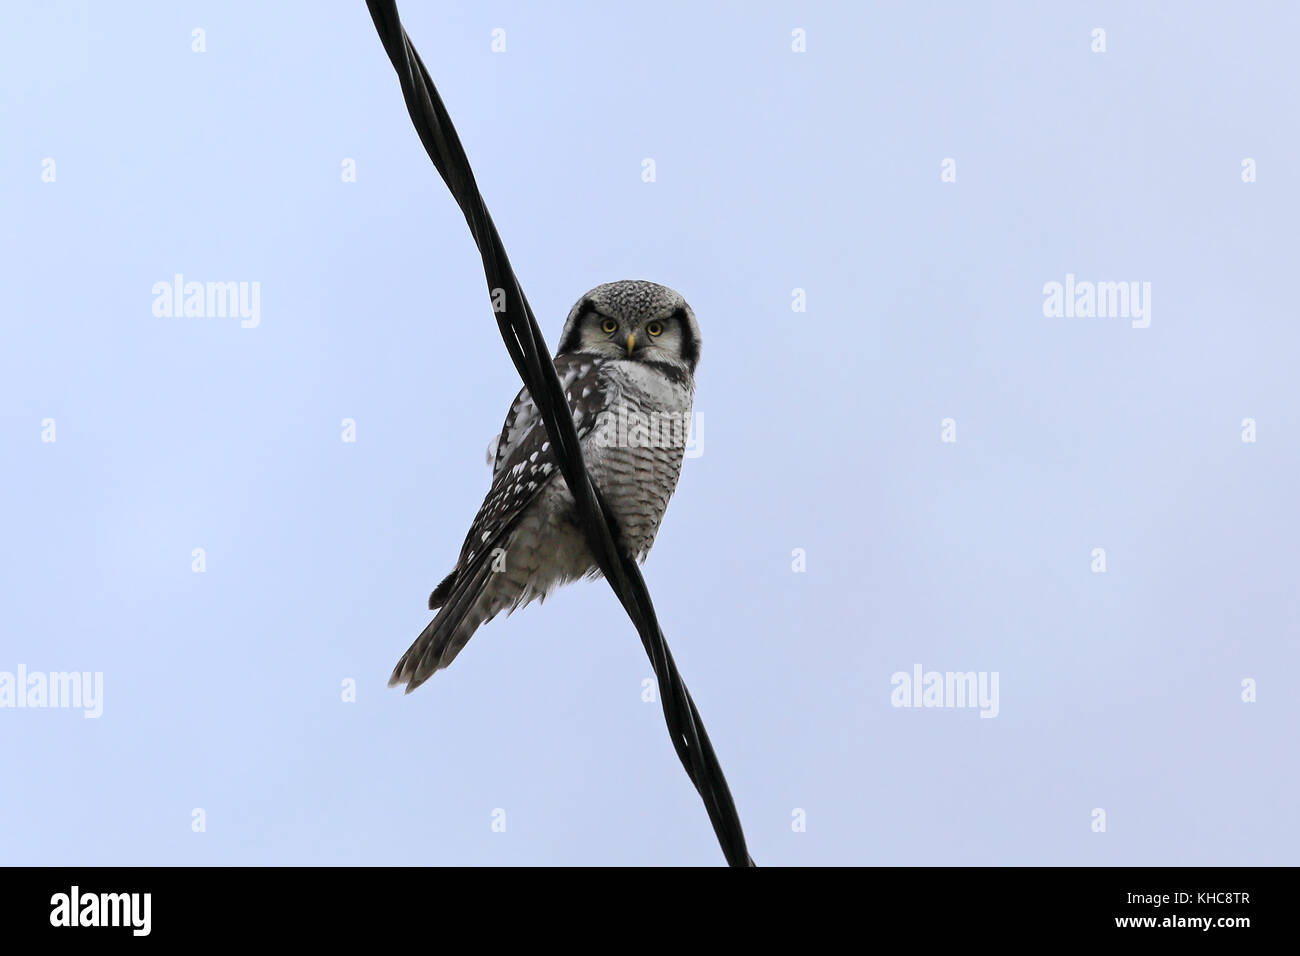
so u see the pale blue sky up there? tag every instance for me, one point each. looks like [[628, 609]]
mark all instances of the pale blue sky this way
[[775, 170]]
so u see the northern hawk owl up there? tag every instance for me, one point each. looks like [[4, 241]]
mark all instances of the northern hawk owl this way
[[626, 360]]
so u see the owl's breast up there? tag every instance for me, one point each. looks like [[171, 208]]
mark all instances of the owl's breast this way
[[635, 452]]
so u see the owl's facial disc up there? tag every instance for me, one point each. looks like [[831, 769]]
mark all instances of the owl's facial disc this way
[[656, 340], [636, 321]]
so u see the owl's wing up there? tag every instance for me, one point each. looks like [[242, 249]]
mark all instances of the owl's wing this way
[[525, 464], [523, 416]]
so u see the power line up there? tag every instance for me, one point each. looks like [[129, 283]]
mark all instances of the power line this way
[[528, 351]]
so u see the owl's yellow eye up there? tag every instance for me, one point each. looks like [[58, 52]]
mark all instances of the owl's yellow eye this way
[[609, 326], [654, 328]]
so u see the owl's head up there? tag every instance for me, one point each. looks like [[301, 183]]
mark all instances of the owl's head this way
[[635, 320]]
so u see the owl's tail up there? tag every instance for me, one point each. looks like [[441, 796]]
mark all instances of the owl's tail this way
[[444, 636]]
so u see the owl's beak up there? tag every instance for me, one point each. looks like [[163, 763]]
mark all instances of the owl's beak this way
[[631, 343]]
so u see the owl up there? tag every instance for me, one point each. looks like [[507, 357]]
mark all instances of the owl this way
[[626, 361]]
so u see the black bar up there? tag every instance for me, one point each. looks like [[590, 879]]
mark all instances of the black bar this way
[[391, 906]]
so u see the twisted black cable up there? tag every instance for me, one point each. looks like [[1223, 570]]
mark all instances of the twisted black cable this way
[[528, 351]]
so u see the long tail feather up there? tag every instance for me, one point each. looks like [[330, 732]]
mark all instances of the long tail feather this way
[[444, 636]]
